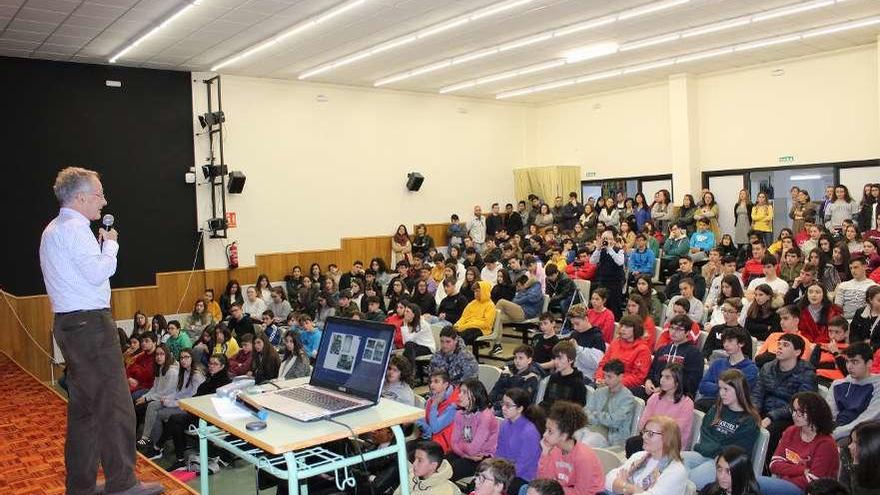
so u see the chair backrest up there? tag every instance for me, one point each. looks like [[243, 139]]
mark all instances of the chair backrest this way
[[546, 304], [435, 332], [759, 453], [656, 276], [637, 415], [824, 391], [420, 402], [609, 460], [701, 340], [583, 287], [754, 347], [695, 428], [542, 388], [489, 375]]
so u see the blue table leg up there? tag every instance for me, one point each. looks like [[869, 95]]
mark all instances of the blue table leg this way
[[292, 474], [402, 461], [203, 457]]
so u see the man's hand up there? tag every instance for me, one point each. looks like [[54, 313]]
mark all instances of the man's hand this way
[[107, 235]]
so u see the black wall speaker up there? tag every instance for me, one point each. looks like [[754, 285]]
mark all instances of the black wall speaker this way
[[414, 181], [236, 182]]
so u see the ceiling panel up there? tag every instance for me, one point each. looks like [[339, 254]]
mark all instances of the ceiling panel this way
[[93, 30]]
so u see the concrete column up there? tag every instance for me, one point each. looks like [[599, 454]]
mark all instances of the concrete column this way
[[684, 135]]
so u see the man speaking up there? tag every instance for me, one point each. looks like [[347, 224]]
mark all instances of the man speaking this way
[[76, 269]]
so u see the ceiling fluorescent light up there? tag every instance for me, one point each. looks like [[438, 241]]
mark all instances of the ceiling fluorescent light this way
[[704, 55], [511, 94], [656, 40], [842, 27], [590, 52], [766, 42], [805, 177], [525, 41], [583, 26], [153, 31], [717, 26], [456, 87], [650, 9], [293, 30], [649, 66], [474, 55], [418, 35], [602, 75], [793, 9]]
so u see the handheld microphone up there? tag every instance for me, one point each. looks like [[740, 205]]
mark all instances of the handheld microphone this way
[[108, 221]]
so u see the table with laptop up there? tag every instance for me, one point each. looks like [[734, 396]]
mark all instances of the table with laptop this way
[[341, 399]]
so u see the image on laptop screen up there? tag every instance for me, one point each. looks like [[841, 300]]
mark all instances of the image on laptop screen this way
[[353, 357]]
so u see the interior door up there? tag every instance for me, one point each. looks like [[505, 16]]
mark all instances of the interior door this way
[[726, 190]]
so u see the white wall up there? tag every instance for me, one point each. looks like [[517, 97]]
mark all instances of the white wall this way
[[320, 171]]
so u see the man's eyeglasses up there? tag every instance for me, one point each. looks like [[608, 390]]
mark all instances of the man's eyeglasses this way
[[482, 478]]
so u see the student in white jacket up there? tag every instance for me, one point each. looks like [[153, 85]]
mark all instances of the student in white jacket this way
[[658, 469]]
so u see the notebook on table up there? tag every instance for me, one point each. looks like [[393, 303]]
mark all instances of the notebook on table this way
[[347, 376]]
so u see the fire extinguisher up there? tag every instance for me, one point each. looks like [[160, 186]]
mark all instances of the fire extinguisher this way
[[232, 255]]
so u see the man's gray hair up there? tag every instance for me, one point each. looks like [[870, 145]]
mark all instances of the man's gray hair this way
[[72, 181]]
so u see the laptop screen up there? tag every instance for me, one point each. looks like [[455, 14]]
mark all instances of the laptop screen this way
[[353, 357]]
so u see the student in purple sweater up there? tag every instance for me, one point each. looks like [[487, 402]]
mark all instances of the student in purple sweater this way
[[474, 430], [519, 440]]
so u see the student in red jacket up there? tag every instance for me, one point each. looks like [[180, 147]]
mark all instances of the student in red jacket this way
[[439, 410], [632, 350], [240, 364], [142, 370], [581, 269], [599, 315], [816, 303], [754, 268]]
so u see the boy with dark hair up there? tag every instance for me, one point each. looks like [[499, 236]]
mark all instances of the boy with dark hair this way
[[590, 344], [522, 373], [374, 311], [566, 383], [754, 267], [768, 270], [828, 358], [610, 409], [141, 372], [439, 410], [545, 487], [544, 342], [346, 307], [270, 328], [560, 288], [310, 336], [855, 398], [686, 291], [453, 357], [730, 310], [850, 295], [679, 350], [240, 364], [686, 271], [452, 306], [429, 472], [733, 342]]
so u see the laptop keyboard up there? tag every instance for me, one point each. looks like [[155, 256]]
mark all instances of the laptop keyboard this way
[[317, 399]]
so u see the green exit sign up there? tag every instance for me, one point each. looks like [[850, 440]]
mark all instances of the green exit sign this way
[[786, 159]]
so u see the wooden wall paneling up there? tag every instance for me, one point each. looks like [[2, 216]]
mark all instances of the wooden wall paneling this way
[[217, 279], [171, 287], [9, 331], [125, 301], [36, 314], [437, 231]]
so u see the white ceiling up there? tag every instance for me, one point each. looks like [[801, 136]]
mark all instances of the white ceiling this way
[[92, 31]]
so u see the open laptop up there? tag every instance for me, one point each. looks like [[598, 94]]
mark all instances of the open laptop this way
[[348, 374]]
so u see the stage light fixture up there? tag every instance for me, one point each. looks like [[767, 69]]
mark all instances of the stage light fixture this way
[[212, 118]]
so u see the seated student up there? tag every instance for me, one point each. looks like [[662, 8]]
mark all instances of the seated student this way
[[799, 285], [294, 360], [828, 359], [636, 306], [609, 409], [395, 317], [165, 370], [560, 288], [713, 269], [240, 363], [778, 381], [863, 450], [543, 487], [668, 401], [265, 363], [345, 307], [589, 342], [865, 324], [761, 317], [731, 311], [788, 322], [452, 304], [733, 342], [270, 328], [453, 357], [816, 310], [478, 316], [679, 308], [850, 295], [686, 292], [658, 469], [734, 474], [398, 379], [177, 339], [279, 305], [855, 398], [519, 438], [826, 486], [754, 267], [599, 315], [730, 287], [631, 350], [645, 288], [504, 288], [791, 265], [490, 270], [474, 429], [133, 349], [141, 372], [493, 477], [733, 420], [681, 351], [701, 242], [543, 343], [374, 309], [566, 383], [686, 271], [523, 373], [574, 465], [581, 268], [768, 265], [310, 336], [224, 342], [806, 450], [418, 339], [526, 304], [439, 411], [429, 472], [240, 324], [641, 259], [675, 247]]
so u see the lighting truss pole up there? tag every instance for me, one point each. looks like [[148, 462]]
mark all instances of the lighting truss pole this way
[[218, 184]]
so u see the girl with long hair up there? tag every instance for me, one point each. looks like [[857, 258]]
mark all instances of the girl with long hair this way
[[474, 429], [519, 438], [761, 318], [742, 214], [231, 295], [294, 360], [686, 214], [644, 288], [661, 210], [669, 400], [139, 323], [708, 210], [842, 208], [734, 474], [762, 218], [265, 362], [816, 310]]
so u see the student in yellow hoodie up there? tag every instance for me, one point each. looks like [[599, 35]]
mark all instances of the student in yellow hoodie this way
[[429, 472], [478, 316]]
